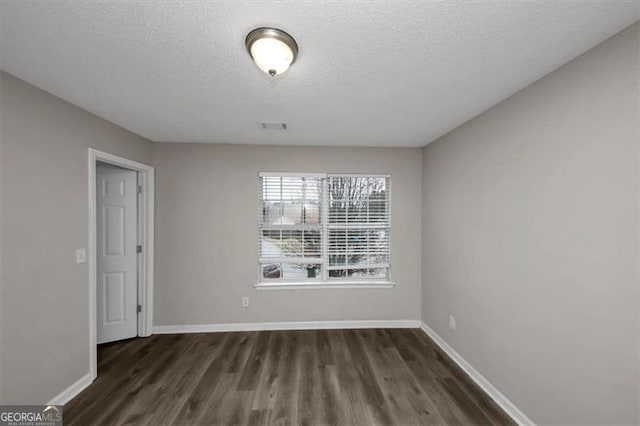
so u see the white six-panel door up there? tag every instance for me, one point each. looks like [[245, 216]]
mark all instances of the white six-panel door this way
[[117, 301]]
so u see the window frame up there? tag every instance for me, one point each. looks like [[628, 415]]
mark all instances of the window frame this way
[[323, 280]]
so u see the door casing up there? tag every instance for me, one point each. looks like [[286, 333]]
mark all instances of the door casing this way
[[145, 236]]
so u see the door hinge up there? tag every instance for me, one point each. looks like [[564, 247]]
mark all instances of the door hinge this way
[[139, 189], [139, 309], [138, 249]]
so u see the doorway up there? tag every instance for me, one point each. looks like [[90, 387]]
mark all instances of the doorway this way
[[120, 250]]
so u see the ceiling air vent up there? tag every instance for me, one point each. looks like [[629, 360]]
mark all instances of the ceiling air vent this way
[[276, 125]]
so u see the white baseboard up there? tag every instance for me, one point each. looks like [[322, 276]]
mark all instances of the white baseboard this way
[[509, 407], [303, 325], [69, 393]]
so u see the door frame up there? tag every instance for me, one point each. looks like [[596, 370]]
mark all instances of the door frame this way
[[145, 238]]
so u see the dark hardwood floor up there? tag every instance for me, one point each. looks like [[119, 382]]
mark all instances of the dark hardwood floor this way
[[333, 377]]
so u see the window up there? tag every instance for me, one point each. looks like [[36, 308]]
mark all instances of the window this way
[[317, 228]]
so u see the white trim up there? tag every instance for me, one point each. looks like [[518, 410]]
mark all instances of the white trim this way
[[363, 280], [300, 227], [272, 326], [147, 237], [145, 319], [324, 215], [292, 174], [359, 226], [295, 285], [69, 393], [326, 227], [310, 260], [322, 175], [357, 175], [509, 407]]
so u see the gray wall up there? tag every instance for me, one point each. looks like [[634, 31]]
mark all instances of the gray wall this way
[[531, 240], [45, 297], [207, 235]]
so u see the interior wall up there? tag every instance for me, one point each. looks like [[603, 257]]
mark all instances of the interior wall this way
[[531, 240], [207, 235], [45, 298]]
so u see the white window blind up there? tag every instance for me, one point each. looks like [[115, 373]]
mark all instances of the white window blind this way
[[358, 226], [316, 227]]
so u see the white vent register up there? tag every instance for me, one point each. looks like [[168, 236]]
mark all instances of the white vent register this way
[[273, 125]]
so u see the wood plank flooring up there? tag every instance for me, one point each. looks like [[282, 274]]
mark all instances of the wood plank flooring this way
[[328, 377]]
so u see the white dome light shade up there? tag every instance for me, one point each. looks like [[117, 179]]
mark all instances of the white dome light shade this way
[[272, 50], [271, 55]]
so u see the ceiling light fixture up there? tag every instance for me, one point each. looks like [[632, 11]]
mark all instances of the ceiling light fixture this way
[[272, 50]]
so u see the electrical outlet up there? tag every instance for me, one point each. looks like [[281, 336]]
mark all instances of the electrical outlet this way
[[452, 322], [245, 302]]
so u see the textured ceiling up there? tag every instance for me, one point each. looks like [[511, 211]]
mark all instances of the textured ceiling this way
[[368, 73]]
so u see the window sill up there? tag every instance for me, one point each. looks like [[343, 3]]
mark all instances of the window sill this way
[[318, 285]]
